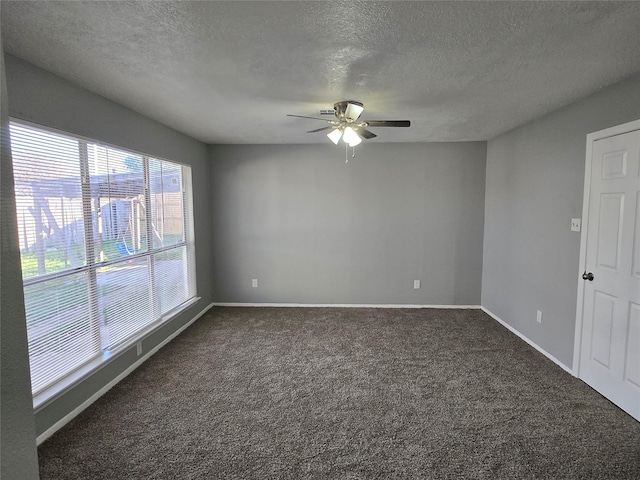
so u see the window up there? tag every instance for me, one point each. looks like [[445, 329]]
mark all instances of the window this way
[[106, 246]]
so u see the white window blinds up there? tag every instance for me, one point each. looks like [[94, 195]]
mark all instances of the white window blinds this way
[[105, 246]]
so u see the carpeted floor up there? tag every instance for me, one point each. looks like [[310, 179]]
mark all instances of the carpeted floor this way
[[338, 393]]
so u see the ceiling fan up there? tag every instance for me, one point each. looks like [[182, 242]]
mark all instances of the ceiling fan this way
[[348, 126]]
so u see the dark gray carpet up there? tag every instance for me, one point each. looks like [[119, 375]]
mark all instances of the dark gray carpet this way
[[341, 393]]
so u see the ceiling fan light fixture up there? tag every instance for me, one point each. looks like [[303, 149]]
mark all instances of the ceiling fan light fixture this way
[[351, 137], [347, 125], [335, 135], [353, 112]]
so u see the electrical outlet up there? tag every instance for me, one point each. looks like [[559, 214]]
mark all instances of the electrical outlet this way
[[139, 348], [539, 317], [416, 284], [254, 283]]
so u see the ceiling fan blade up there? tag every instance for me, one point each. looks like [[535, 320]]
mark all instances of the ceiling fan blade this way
[[320, 129], [302, 116], [364, 133], [387, 123]]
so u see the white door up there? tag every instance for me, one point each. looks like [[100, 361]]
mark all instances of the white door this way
[[610, 343]]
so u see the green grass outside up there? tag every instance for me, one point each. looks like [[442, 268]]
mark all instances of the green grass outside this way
[[56, 260]]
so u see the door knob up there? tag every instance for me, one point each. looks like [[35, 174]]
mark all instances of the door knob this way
[[587, 276]]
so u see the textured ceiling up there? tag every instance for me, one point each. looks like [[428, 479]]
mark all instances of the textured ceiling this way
[[229, 72]]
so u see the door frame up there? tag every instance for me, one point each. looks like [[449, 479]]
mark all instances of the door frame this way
[[591, 138]]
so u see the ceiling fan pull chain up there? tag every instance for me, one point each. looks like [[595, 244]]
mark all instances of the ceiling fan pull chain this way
[[353, 154], [346, 153]]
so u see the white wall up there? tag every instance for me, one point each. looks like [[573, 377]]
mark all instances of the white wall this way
[[313, 229], [535, 179]]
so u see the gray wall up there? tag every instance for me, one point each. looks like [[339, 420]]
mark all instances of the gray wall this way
[[535, 180], [43, 98], [313, 229], [17, 428]]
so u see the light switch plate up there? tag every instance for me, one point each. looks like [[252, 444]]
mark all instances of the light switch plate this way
[[575, 224]]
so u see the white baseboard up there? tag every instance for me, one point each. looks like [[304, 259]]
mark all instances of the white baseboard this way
[[341, 305], [533, 344], [75, 412]]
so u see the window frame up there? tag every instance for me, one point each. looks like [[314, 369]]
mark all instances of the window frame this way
[[105, 354]]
